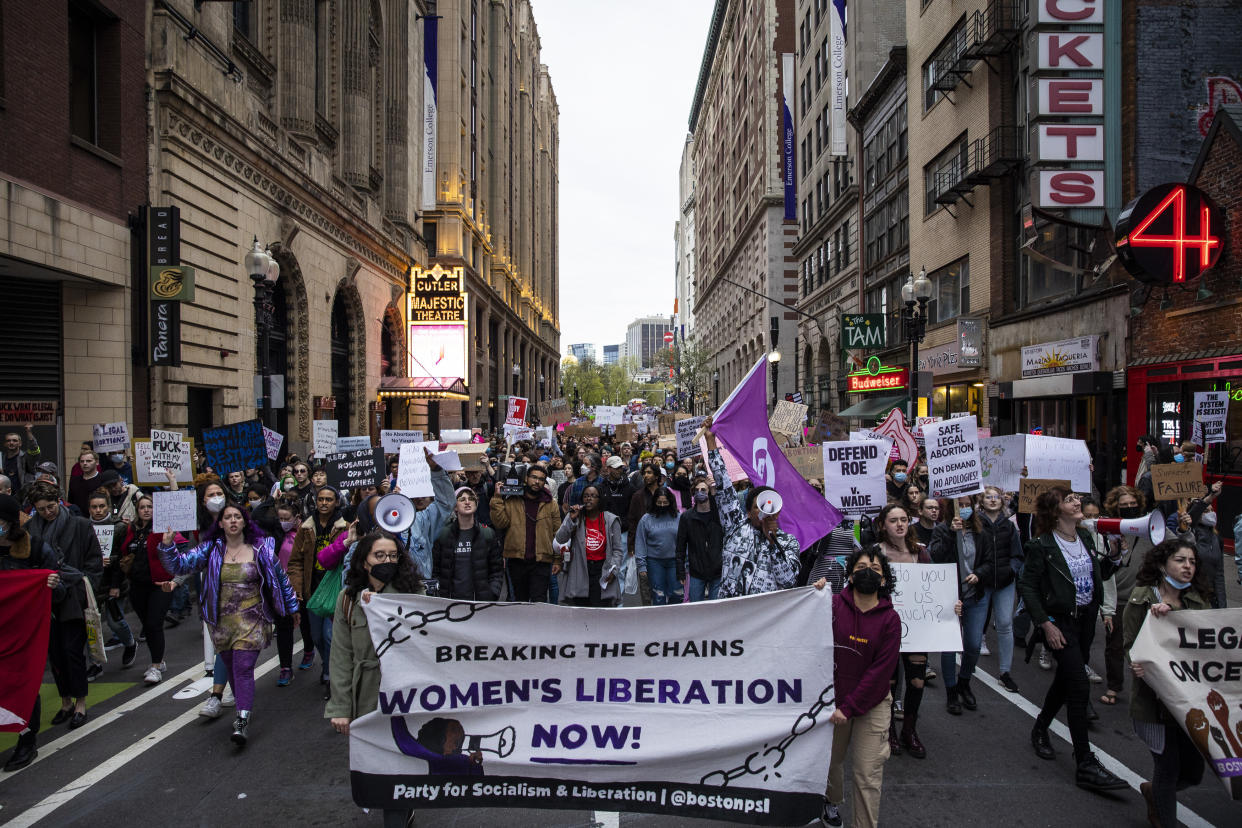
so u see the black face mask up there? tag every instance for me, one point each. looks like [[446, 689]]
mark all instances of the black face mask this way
[[866, 581], [384, 572], [1129, 512]]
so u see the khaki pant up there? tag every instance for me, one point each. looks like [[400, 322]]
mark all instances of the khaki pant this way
[[869, 735]]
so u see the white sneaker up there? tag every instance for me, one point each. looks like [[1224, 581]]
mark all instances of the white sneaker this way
[[210, 708], [163, 666], [1045, 660], [983, 649], [152, 675], [1092, 675], [228, 700]]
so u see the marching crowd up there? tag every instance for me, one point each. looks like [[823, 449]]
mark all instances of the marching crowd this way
[[582, 521]]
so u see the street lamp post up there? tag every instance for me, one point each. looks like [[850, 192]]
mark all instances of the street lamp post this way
[[914, 320], [517, 374], [264, 270], [715, 389], [774, 360], [541, 393]]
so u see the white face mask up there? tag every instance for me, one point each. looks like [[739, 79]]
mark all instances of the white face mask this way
[[1208, 519], [288, 525], [215, 504], [254, 504]]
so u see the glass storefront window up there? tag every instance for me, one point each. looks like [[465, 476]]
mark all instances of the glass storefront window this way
[[1170, 415], [960, 398]]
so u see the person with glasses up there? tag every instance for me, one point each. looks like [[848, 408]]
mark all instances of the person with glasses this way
[[304, 490], [1062, 588], [529, 521], [700, 544], [466, 554]]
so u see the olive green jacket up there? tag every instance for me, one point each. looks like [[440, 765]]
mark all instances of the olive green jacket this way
[[355, 668], [1145, 706]]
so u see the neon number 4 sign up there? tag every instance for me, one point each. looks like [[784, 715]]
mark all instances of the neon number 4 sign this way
[[1170, 234], [1178, 241]]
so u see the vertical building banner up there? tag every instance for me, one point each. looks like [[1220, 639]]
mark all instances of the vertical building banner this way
[[787, 137], [430, 112], [163, 254], [837, 101]]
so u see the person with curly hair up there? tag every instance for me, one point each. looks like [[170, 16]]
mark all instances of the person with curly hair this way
[[1124, 502]]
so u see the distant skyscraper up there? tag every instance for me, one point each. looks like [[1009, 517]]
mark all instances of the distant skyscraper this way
[[582, 351], [612, 353], [644, 337]]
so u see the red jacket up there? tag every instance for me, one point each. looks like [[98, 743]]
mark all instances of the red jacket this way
[[158, 572], [866, 646]]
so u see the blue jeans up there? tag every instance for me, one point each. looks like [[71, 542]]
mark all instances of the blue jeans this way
[[698, 587], [662, 576], [219, 672], [321, 634], [974, 618], [119, 628]]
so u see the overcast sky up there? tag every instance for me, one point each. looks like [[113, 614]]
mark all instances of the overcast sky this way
[[624, 76]]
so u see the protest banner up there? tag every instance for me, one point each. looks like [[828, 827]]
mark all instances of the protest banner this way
[[324, 436], [145, 475], [517, 433], [1032, 487], [26, 618], [609, 415], [174, 510], [468, 454], [1190, 659], [687, 446], [953, 467], [1059, 458], [554, 412], [829, 427], [455, 435], [515, 411], [273, 440], [615, 709], [27, 412], [854, 475], [1211, 412], [351, 469], [924, 596], [357, 443], [392, 439], [1001, 460], [1174, 481], [413, 473], [787, 418], [110, 437], [894, 428], [105, 533], [919, 422], [235, 447], [166, 449]]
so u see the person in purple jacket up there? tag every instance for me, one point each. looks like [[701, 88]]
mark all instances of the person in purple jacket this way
[[866, 632]]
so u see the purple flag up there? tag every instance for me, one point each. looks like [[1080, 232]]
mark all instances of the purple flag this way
[[741, 425]]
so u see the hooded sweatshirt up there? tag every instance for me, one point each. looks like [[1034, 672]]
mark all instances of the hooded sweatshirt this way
[[865, 652]]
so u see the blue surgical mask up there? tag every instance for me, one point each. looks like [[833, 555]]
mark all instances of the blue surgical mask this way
[[965, 512], [1176, 584], [1179, 458], [669, 465], [900, 477], [118, 458]]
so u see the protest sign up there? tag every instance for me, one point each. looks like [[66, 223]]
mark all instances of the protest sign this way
[[166, 450], [324, 437], [854, 476], [23, 412], [1059, 458], [144, 475], [174, 510], [577, 722], [583, 430], [686, 429], [787, 418], [1174, 481], [110, 437], [235, 447], [919, 422], [351, 469], [609, 415], [515, 411], [808, 460], [732, 467], [924, 596], [413, 473], [554, 412], [1032, 487], [105, 533], [393, 439], [273, 440], [829, 427], [1189, 659], [517, 433], [468, 454], [953, 467], [357, 443], [1001, 460], [449, 461], [1211, 412], [455, 435], [626, 432], [894, 428]]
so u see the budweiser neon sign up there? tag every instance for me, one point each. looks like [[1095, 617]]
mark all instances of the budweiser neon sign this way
[[877, 377]]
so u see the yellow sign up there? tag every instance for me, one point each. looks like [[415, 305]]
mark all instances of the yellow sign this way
[[172, 283], [436, 296]]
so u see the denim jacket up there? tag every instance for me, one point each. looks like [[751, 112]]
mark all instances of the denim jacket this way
[[278, 597]]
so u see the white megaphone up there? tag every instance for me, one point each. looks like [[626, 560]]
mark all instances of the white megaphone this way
[[1152, 526], [395, 513], [500, 743], [769, 502]]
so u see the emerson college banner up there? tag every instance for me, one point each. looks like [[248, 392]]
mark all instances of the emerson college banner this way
[[716, 710]]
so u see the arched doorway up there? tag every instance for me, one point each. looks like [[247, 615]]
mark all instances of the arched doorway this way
[[341, 385], [278, 360]]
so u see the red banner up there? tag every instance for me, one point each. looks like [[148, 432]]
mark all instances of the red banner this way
[[25, 616]]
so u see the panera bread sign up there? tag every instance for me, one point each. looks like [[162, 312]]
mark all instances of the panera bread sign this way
[[164, 255]]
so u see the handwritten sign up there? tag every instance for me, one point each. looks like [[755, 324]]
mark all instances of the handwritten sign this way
[[609, 415], [273, 440], [110, 437], [455, 435], [686, 429], [166, 449], [21, 412], [144, 475], [554, 412], [324, 437], [924, 596], [1001, 460], [953, 467], [1032, 487], [105, 533], [393, 439], [854, 476], [351, 469], [235, 447], [518, 433], [469, 455], [1059, 458], [830, 427], [808, 460], [787, 418], [1174, 481], [1211, 412], [413, 473], [174, 510]]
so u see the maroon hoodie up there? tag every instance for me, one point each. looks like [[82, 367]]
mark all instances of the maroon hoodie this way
[[865, 654]]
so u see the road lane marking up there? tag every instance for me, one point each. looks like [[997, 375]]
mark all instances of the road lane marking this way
[[1187, 816], [607, 819], [86, 781]]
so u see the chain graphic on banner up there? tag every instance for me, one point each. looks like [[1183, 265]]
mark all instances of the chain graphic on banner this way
[[801, 725], [416, 620]]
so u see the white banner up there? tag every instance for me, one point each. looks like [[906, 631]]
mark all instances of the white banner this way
[[854, 476], [1002, 459], [1211, 412], [953, 467], [609, 414], [455, 435], [393, 439], [924, 597], [1059, 458], [324, 437], [413, 473], [1190, 658], [610, 709], [836, 66]]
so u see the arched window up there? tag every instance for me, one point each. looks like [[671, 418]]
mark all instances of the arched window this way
[[341, 386]]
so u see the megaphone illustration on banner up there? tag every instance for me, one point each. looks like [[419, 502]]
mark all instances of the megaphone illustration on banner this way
[[1152, 526], [500, 743], [395, 513], [769, 502]]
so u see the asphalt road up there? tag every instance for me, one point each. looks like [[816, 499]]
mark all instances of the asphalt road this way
[[145, 755]]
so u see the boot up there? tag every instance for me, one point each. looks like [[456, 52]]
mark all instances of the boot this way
[[965, 694], [894, 744], [910, 738], [240, 724], [954, 705], [1093, 776], [23, 754]]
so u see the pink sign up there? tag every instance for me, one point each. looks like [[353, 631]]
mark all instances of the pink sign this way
[[894, 428]]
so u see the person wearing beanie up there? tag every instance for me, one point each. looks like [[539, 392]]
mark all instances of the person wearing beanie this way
[[466, 555]]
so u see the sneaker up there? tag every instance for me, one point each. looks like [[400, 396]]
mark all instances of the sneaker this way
[[1092, 776], [308, 658], [831, 814], [112, 643], [1045, 660], [1008, 683], [210, 708], [286, 676], [142, 639], [228, 700], [1092, 675], [93, 672], [239, 730], [152, 675], [127, 657], [163, 666], [983, 649], [929, 675], [899, 710]]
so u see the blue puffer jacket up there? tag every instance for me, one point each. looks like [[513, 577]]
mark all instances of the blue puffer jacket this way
[[278, 597]]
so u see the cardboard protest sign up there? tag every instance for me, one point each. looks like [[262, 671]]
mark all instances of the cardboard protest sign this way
[[1189, 659], [324, 437], [924, 596], [686, 429], [830, 427], [351, 469], [609, 415], [732, 467], [357, 443], [787, 418], [1059, 458], [166, 449], [144, 475], [554, 412], [583, 430], [1032, 487], [235, 447], [274, 440], [174, 510], [413, 473], [1002, 459], [392, 439], [1174, 481], [854, 476], [1211, 413], [21, 412], [468, 454], [626, 432], [894, 428], [808, 460], [110, 437], [515, 412], [953, 467]]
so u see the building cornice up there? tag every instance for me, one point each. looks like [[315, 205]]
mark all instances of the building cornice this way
[[709, 56], [893, 69]]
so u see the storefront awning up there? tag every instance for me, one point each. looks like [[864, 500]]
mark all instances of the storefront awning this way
[[426, 388], [1058, 385], [875, 406]]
